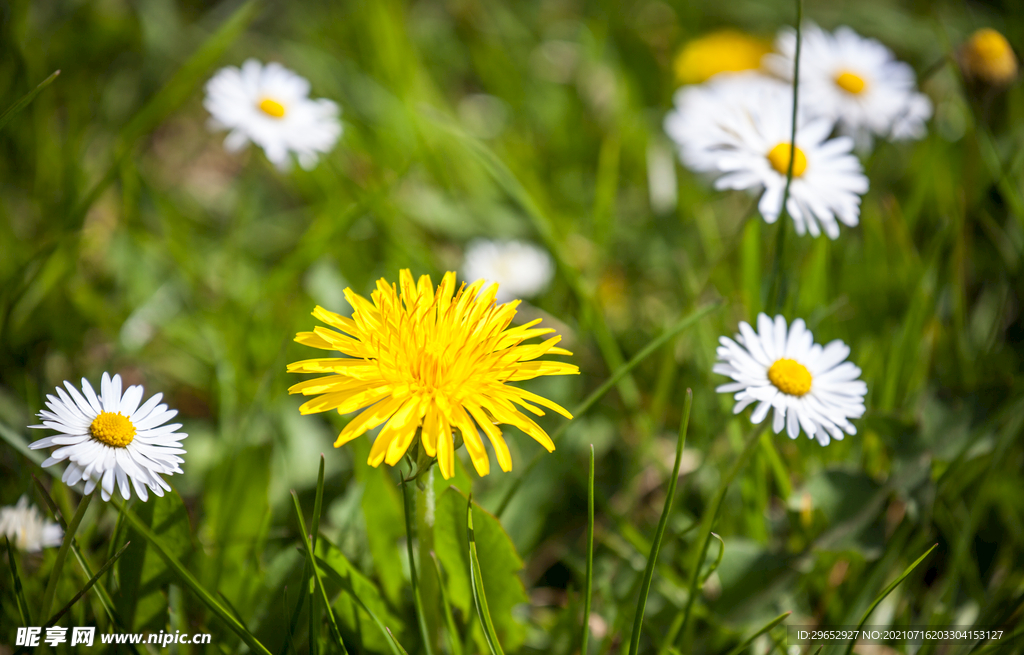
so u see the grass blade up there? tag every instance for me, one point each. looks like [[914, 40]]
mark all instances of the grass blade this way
[[768, 626], [25, 99], [62, 554], [885, 592], [346, 584], [652, 559], [193, 584], [101, 591], [449, 618], [707, 522], [477, 586], [88, 585], [335, 632], [314, 610], [395, 642], [410, 534], [590, 556], [19, 592], [651, 348]]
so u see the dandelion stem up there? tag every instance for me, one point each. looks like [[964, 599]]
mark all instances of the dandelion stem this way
[[62, 555], [410, 534]]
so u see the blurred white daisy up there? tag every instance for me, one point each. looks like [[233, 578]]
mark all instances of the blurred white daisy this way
[[811, 387], [737, 129], [27, 529], [110, 440], [854, 80], [270, 106], [522, 270]]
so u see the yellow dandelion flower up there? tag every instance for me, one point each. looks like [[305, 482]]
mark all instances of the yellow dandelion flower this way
[[987, 56], [426, 362], [724, 51]]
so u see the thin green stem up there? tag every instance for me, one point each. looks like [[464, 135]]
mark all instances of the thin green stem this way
[[704, 539], [652, 559], [410, 534], [62, 555], [590, 556], [777, 287]]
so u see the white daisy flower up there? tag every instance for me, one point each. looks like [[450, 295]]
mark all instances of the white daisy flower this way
[[738, 128], [854, 80], [811, 387], [522, 270], [110, 439], [270, 106], [27, 529]]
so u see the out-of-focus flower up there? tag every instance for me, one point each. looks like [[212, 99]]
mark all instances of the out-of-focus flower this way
[[270, 106], [988, 57], [110, 440], [27, 529], [811, 388], [854, 80], [738, 130], [724, 51], [521, 270], [424, 362]]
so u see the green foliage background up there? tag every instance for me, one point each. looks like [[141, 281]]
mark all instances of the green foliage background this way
[[131, 242]]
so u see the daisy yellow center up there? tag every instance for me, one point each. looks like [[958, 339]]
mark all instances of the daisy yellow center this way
[[424, 362], [113, 429], [272, 108], [990, 45], [725, 51], [790, 376], [778, 157], [850, 82]]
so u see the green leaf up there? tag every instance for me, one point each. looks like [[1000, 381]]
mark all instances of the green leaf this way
[[453, 632], [479, 592], [143, 574], [500, 564], [590, 556], [26, 99], [385, 525], [362, 603]]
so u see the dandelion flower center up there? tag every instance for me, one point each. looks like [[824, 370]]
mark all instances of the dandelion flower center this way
[[113, 429], [272, 108], [778, 157], [790, 377], [850, 82]]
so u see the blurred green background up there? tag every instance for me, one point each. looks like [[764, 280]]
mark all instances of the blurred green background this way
[[131, 242]]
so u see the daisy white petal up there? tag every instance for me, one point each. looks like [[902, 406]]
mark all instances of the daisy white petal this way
[[110, 441], [522, 270], [812, 389], [27, 529], [855, 81], [270, 106]]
